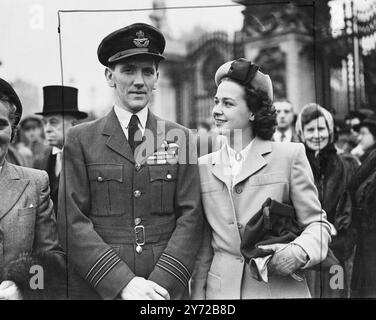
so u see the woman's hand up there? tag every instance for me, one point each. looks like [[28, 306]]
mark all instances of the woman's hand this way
[[287, 258], [9, 291]]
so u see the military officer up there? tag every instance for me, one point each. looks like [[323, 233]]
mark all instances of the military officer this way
[[130, 218]]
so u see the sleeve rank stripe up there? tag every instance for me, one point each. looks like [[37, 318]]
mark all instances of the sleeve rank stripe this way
[[178, 262], [107, 271], [97, 262], [103, 267], [175, 267], [173, 273]]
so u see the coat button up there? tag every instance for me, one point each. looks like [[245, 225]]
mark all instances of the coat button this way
[[169, 176], [99, 179], [137, 221], [238, 190], [137, 166], [137, 194], [239, 225]]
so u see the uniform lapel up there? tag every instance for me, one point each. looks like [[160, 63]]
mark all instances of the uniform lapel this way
[[221, 166], [254, 160], [117, 140], [11, 188]]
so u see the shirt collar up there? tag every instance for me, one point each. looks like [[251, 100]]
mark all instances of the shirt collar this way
[[288, 134], [232, 153], [124, 116], [56, 150]]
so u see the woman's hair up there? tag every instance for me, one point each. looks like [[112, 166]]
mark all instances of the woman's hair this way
[[12, 116], [263, 110]]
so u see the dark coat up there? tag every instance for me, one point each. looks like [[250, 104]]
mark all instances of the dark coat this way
[[109, 198], [47, 163], [332, 174], [363, 191]]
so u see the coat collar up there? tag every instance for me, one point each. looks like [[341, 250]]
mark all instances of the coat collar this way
[[253, 162], [12, 187], [117, 141]]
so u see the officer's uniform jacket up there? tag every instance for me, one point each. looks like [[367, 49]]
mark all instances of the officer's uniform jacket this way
[[112, 203]]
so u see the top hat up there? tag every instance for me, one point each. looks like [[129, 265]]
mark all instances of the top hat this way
[[132, 40], [61, 100], [7, 90], [245, 73]]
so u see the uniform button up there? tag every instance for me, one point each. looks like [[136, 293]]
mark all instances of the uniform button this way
[[241, 259], [169, 176], [238, 190], [239, 225], [137, 194], [137, 221], [137, 166], [99, 179]]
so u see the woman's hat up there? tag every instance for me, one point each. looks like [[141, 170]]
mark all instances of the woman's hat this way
[[367, 122], [31, 122], [245, 73], [7, 90], [61, 100]]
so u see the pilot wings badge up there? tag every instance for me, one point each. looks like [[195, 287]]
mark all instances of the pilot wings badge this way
[[141, 41]]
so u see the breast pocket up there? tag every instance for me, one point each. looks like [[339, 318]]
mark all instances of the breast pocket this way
[[212, 186], [163, 182], [267, 179], [105, 187]]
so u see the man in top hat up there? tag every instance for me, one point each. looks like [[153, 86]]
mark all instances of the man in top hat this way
[[130, 218], [60, 113]]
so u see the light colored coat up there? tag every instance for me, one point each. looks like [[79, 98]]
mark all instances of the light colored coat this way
[[27, 219], [271, 169]]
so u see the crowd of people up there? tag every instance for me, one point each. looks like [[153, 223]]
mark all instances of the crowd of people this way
[[125, 208]]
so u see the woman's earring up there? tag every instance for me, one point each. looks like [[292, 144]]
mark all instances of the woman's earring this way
[[252, 118]]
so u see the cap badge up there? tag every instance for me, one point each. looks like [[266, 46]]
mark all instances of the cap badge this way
[[141, 41]]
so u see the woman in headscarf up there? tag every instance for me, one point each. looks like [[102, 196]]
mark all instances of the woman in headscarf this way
[[332, 174], [27, 221], [236, 181], [363, 191]]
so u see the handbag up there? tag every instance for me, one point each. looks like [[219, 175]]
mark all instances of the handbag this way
[[274, 223]]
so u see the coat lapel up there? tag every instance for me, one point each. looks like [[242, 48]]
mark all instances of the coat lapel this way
[[221, 166], [117, 140], [254, 160], [11, 188]]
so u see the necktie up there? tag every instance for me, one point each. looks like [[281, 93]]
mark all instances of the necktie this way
[[283, 136], [58, 164], [134, 133]]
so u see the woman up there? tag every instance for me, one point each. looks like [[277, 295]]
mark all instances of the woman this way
[[27, 222], [363, 191], [236, 181], [332, 174]]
